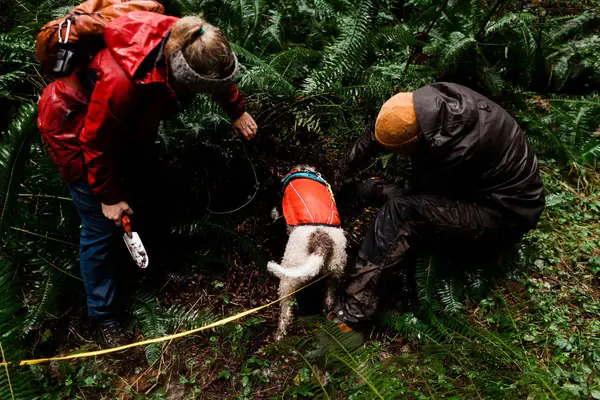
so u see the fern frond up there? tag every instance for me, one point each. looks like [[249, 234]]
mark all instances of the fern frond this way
[[592, 154], [408, 325], [478, 284], [346, 54], [44, 304], [426, 275], [14, 154], [262, 76], [476, 13], [16, 47], [10, 306], [450, 291], [395, 35], [491, 78], [7, 81], [510, 21], [457, 46], [339, 352], [151, 325], [11, 320], [574, 25], [20, 387], [178, 318]]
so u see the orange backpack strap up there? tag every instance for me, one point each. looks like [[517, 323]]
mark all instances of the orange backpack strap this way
[[70, 39]]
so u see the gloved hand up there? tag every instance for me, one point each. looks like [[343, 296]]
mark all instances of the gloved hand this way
[[365, 190]]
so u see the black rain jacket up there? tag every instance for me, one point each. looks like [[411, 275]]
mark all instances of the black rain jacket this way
[[472, 150]]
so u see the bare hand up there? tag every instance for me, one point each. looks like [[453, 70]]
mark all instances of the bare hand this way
[[114, 212], [245, 126]]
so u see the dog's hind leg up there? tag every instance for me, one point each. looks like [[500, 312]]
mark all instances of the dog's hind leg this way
[[333, 282], [286, 314], [332, 285]]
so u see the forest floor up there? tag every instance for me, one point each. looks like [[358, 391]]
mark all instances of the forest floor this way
[[553, 308]]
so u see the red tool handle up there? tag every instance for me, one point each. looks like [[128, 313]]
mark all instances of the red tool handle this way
[[126, 223]]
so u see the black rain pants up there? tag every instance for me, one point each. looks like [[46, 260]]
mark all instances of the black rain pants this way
[[423, 220]]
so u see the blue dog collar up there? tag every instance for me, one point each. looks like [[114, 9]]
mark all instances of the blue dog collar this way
[[315, 176]]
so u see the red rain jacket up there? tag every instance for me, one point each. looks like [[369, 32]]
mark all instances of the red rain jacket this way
[[308, 202], [85, 132]]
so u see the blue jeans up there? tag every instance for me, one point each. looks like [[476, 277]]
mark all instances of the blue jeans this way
[[99, 256]]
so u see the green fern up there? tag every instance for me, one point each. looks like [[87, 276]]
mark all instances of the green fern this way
[[572, 26], [50, 280], [178, 318], [11, 319], [457, 46], [338, 352], [14, 154], [426, 275], [151, 325], [346, 54], [262, 76], [156, 322], [450, 291]]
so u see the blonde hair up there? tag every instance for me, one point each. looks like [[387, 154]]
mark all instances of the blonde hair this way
[[204, 47]]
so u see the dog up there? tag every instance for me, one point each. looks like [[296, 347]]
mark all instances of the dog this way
[[316, 242]]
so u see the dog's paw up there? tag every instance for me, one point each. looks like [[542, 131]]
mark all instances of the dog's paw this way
[[279, 337], [275, 214]]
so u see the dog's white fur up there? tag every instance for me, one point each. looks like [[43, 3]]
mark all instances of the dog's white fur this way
[[299, 265]]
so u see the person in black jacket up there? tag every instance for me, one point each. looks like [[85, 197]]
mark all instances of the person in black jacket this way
[[475, 185]]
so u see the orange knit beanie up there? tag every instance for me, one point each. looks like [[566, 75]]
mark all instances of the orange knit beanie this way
[[397, 127]]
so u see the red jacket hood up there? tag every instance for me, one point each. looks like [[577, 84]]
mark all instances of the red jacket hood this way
[[132, 37]]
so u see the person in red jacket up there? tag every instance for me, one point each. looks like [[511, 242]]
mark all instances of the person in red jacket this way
[[95, 118]]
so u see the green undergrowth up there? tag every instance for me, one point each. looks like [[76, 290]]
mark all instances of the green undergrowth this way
[[315, 73]]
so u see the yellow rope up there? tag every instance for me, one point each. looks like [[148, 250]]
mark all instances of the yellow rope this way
[[164, 338]]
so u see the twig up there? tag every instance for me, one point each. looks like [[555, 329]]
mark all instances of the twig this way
[[63, 271], [43, 236], [46, 196]]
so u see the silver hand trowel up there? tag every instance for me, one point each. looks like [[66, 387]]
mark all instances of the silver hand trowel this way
[[134, 243]]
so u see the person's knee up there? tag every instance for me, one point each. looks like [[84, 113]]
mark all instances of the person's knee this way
[[403, 208]]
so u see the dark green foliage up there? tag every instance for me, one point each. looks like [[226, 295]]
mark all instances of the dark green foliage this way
[[14, 154], [450, 281], [564, 129], [316, 72], [156, 322], [151, 326], [49, 279], [204, 230], [328, 349], [11, 324]]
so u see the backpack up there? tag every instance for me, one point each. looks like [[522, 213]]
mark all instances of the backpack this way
[[64, 43]]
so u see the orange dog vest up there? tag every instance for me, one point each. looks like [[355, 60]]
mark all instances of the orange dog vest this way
[[308, 201]]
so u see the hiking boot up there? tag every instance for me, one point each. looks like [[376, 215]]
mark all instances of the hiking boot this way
[[349, 335], [342, 326], [111, 335]]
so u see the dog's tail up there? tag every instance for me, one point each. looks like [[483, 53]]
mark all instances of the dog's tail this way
[[310, 268]]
